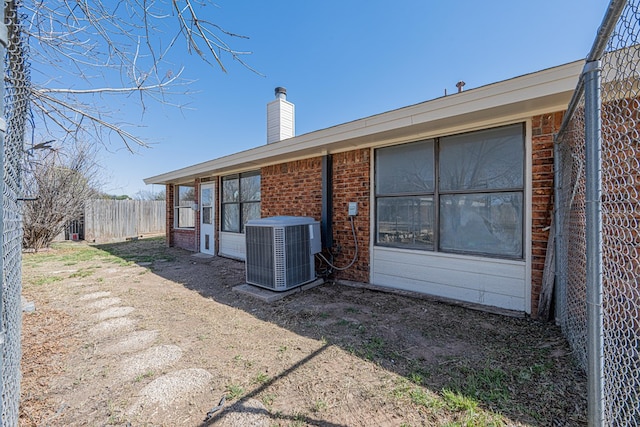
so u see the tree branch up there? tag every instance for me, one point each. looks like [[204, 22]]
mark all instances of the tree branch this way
[[117, 48]]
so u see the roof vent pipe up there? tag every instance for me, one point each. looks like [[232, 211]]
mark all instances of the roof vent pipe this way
[[460, 85], [281, 93]]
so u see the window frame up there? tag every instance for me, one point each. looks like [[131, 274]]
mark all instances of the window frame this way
[[438, 195], [237, 201], [179, 206]]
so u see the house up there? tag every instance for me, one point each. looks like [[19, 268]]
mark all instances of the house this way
[[453, 195]]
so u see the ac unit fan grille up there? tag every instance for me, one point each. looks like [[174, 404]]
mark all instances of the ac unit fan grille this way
[[260, 259], [297, 255], [279, 257]]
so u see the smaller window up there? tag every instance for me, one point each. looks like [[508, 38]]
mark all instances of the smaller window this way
[[240, 200], [184, 199]]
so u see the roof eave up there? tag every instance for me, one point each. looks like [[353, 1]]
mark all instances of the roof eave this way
[[544, 91]]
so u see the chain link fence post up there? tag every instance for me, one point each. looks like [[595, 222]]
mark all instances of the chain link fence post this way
[[3, 131], [593, 221]]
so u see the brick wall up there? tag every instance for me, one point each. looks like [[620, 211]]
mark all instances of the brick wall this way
[[351, 183], [295, 188], [543, 129], [185, 239]]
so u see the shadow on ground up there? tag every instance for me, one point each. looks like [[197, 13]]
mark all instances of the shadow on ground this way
[[516, 367]]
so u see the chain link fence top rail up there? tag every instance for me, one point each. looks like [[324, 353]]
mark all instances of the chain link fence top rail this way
[[620, 182], [16, 100]]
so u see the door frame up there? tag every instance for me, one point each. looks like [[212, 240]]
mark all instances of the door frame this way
[[208, 229]]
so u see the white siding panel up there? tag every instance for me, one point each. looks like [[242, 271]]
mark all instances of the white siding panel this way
[[459, 278], [487, 281], [232, 245], [452, 292]]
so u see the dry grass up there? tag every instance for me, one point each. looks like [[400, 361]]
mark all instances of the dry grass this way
[[330, 356]]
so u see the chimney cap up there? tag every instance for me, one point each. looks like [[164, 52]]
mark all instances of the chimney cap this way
[[281, 90]]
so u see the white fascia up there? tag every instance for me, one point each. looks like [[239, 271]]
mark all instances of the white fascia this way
[[521, 97]]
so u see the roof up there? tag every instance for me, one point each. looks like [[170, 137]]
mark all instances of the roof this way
[[541, 92]]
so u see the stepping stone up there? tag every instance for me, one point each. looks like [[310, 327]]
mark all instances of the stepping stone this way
[[114, 312], [135, 341], [243, 413], [111, 326], [171, 389], [150, 360], [104, 303], [95, 295]]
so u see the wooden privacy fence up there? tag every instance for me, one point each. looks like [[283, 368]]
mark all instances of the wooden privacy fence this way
[[106, 220]]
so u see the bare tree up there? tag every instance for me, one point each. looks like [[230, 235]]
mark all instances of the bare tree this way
[[84, 52], [150, 195], [59, 182]]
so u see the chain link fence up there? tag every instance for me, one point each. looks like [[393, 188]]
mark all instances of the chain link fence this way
[[16, 103], [607, 344]]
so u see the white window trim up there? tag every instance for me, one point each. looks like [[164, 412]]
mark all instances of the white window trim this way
[[176, 207]]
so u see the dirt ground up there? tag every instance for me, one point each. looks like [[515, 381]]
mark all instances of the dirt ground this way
[[137, 334]]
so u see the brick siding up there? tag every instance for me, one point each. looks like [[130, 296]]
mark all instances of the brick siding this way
[[351, 183], [543, 129], [295, 188], [185, 239]]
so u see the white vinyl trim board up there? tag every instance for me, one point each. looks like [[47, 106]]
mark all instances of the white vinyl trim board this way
[[232, 245], [479, 280]]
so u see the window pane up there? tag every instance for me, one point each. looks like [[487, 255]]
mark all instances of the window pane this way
[[185, 217], [206, 197], [250, 211], [206, 215], [230, 189], [406, 168], [405, 222], [250, 188], [489, 159], [482, 223], [231, 217], [186, 195]]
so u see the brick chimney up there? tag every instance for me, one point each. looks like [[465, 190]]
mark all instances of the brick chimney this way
[[280, 117]]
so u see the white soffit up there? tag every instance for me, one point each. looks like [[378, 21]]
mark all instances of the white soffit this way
[[542, 92]]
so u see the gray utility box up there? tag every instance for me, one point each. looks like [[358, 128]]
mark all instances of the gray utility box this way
[[280, 251]]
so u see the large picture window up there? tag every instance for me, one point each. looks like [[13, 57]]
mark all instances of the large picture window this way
[[184, 199], [240, 200], [460, 194]]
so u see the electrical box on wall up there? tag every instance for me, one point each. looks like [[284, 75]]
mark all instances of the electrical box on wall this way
[[353, 208]]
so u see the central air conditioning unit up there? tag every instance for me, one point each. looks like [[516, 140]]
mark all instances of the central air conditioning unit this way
[[280, 251]]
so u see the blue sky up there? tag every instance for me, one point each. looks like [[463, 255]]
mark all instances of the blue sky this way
[[341, 60]]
